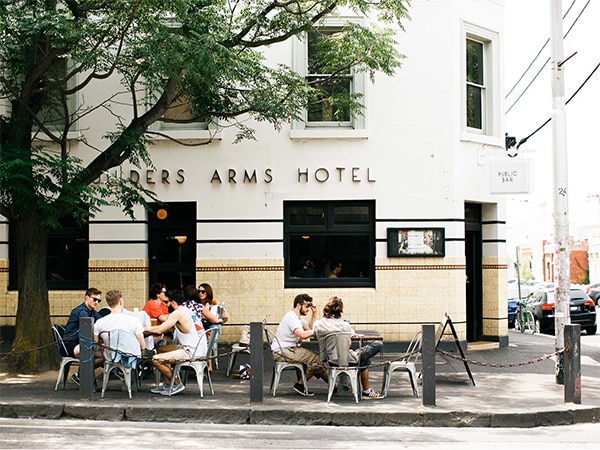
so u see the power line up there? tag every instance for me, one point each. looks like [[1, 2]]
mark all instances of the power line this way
[[522, 141], [536, 56], [547, 60]]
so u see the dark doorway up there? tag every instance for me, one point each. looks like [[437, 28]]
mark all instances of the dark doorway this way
[[474, 287], [172, 244]]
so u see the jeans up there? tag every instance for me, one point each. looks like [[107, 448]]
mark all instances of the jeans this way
[[367, 352]]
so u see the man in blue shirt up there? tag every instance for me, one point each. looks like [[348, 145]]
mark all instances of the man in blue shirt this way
[[71, 336]]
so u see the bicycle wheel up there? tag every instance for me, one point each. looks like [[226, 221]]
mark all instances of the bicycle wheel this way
[[530, 321], [519, 322]]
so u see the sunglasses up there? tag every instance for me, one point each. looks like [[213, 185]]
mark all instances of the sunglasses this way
[[202, 291], [308, 305], [96, 299]]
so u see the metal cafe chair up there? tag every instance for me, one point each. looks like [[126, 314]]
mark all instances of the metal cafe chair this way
[[338, 362], [200, 365], [280, 366], [66, 361], [405, 364], [123, 354]]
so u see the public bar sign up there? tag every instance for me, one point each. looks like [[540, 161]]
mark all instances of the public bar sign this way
[[509, 176]]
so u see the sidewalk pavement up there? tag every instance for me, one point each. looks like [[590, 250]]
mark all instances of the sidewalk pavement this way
[[502, 397]]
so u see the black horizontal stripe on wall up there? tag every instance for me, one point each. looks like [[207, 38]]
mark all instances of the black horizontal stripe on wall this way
[[493, 222], [112, 242], [494, 241], [416, 220], [239, 241], [118, 222], [239, 221]]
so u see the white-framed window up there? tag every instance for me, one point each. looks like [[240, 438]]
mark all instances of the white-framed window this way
[[52, 115], [481, 88], [328, 115]]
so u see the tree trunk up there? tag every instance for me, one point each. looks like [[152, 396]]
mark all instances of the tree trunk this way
[[33, 349]]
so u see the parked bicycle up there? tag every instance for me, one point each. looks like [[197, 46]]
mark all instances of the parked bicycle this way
[[524, 319]]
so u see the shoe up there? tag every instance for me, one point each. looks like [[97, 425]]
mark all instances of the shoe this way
[[370, 394], [160, 388], [299, 388], [119, 374], [177, 389], [161, 343], [75, 378], [96, 386]]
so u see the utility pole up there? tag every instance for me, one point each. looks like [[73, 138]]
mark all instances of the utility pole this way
[[562, 271]]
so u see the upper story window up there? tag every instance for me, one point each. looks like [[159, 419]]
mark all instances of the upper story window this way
[[58, 105], [330, 107], [329, 243], [329, 114], [482, 115], [179, 116], [476, 95]]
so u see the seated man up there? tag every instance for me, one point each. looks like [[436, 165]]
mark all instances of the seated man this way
[[71, 335], [332, 322], [290, 333], [189, 339], [116, 320]]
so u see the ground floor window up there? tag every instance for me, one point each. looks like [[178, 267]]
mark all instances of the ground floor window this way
[[329, 243], [66, 257]]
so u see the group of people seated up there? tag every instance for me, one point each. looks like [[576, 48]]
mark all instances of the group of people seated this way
[[179, 324], [294, 328]]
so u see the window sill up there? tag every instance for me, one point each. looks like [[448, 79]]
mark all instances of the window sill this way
[[482, 139], [43, 137], [196, 135], [329, 133]]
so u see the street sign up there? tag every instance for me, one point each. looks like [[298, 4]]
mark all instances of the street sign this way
[[509, 176]]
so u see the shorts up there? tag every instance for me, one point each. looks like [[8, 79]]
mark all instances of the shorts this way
[[70, 347]]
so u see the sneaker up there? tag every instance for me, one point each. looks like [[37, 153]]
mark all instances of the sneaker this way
[[75, 378], [177, 389], [299, 388], [370, 394], [119, 374], [160, 388]]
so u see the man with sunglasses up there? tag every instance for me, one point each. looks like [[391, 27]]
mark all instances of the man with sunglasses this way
[[71, 336], [292, 329]]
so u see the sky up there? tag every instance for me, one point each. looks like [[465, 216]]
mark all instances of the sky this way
[[527, 27]]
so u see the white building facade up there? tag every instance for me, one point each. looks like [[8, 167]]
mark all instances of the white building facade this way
[[400, 196]]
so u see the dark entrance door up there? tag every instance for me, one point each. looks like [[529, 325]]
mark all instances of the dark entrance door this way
[[172, 244], [474, 287]]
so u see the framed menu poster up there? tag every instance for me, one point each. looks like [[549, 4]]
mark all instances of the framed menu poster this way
[[416, 242]]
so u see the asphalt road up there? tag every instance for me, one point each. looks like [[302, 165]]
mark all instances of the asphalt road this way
[[55, 434]]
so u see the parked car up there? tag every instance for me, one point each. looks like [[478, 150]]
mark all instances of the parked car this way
[[593, 290], [582, 309], [512, 308]]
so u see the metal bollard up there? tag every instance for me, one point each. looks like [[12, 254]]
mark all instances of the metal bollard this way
[[256, 361], [572, 368], [86, 358], [428, 369]]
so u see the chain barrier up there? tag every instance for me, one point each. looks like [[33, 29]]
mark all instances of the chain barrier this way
[[90, 344], [497, 366]]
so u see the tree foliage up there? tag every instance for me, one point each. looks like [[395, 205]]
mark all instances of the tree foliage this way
[[207, 54]]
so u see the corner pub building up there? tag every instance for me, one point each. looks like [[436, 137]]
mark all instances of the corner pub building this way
[[398, 195]]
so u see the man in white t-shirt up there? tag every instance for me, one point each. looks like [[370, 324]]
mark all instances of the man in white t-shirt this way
[[116, 320], [292, 329]]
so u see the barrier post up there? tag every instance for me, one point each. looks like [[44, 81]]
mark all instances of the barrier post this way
[[256, 361], [428, 369], [86, 358], [572, 368]]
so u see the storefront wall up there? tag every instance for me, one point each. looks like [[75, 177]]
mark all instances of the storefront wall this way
[[413, 158]]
